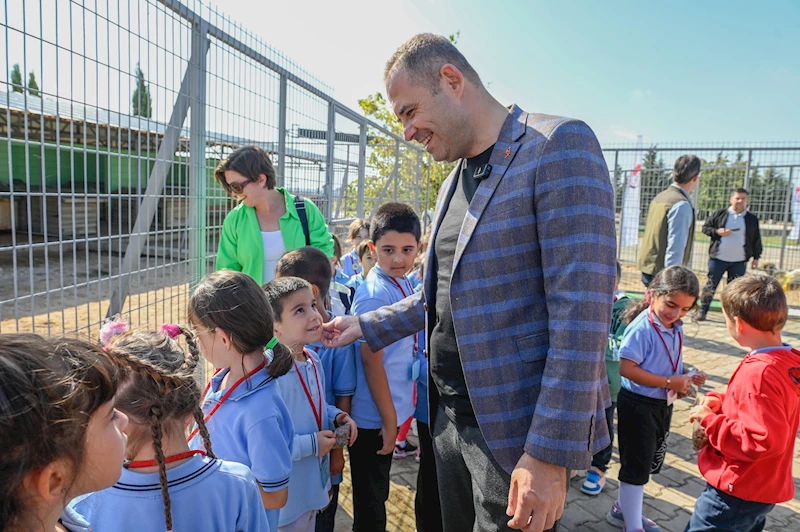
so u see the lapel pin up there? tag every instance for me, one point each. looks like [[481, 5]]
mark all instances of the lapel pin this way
[[508, 152]]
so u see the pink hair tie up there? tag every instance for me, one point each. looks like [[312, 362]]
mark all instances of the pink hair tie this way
[[170, 329], [647, 296], [111, 328]]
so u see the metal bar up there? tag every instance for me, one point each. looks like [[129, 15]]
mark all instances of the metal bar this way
[[393, 176], [416, 182], [785, 234], [330, 153], [711, 148], [282, 103], [747, 168], [197, 154], [236, 44], [155, 185], [428, 194], [362, 167], [622, 214], [343, 190]]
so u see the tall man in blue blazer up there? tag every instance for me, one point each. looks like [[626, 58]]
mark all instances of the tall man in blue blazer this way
[[517, 294]]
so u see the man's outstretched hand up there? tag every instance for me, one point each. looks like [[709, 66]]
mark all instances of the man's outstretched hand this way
[[341, 331]]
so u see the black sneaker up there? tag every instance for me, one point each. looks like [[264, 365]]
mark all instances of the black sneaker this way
[[401, 452], [701, 315]]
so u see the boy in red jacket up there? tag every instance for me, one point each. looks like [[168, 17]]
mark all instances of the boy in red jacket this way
[[751, 428]]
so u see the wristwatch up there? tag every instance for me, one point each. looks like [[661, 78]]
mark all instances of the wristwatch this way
[[669, 381]]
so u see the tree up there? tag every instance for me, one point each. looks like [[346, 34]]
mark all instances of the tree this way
[[33, 87], [141, 101], [16, 79]]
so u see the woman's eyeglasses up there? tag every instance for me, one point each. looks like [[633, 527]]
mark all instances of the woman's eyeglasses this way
[[237, 188]]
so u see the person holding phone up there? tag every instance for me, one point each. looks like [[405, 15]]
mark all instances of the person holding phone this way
[[735, 239]]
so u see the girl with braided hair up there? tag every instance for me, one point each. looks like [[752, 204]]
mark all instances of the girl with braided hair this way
[[165, 485]]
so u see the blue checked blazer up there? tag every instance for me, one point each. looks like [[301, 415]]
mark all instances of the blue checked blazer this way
[[531, 293]]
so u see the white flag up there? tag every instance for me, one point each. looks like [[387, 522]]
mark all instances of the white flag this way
[[795, 234], [631, 210]]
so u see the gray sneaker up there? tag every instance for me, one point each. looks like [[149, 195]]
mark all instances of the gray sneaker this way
[[615, 518]]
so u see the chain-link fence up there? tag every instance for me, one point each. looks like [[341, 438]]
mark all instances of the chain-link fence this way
[[769, 172], [113, 116]]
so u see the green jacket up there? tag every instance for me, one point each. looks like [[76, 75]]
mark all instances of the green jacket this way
[[241, 247], [615, 333], [653, 249]]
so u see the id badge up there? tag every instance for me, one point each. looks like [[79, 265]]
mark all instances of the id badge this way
[[671, 396], [325, 470], [414, 370]]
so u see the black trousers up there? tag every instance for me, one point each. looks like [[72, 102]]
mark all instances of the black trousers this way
[[427, 507], [369, 472], [716, 269], [474, 493], [603, 458]]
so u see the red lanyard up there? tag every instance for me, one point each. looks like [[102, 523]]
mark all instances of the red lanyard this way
[[411, 290], [225, 395], [669, 352], [317, 413], [169, 460]]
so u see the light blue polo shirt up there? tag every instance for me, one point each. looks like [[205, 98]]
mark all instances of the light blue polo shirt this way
[[205, 495], [339, 366], [252, 427], [378, 290], [350, 264], [641, 344], [306, 490]]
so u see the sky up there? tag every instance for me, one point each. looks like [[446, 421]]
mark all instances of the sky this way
[[681, 71]]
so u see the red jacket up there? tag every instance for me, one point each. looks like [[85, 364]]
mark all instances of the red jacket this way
[[751, 439]]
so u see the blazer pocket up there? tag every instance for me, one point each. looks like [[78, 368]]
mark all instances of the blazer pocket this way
[[533, 348]]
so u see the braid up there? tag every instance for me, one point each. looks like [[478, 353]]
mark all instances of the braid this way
[[155, 427], [140, 365], [201, 427], [194, 350]]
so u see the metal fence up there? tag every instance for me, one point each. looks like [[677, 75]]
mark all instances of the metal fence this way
[[107, 197], [770, 173]]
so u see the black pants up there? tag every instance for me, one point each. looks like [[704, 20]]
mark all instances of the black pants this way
[[326, 519], [427, 508], [369, 472], [643, 431], [716, 269], [474, 492], [647, 279], [603, 458]]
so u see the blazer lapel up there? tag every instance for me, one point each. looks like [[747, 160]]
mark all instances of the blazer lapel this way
[[503, 154]]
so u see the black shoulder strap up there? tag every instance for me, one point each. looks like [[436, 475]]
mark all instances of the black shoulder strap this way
[[300, 205]]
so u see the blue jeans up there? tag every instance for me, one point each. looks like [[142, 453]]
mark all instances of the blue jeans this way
[[717, 510], [716, 269]]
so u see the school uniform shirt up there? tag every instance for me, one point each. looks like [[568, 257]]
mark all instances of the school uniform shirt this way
[[751, 439], [416, 280], [309, 480], [350, 264], [339, 367], [379, 290], [205, 495], [252, 427], [356, 281], [641, 344], [421, 409], [341, 294]]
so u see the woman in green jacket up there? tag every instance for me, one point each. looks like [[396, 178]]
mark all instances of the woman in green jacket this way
[[266, 224]]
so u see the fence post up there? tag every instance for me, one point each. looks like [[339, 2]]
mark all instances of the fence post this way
[[417, 175], [362, 167], [282, 133], [329, 155], [784, 234], [198, 208], [622, 215], [428, 190], [747, 169], [397, 165]]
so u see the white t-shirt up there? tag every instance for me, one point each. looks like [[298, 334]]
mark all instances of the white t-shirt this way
[[273, 251]]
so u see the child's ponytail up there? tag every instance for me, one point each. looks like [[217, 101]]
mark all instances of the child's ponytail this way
[[281, 361], [156, 416]]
